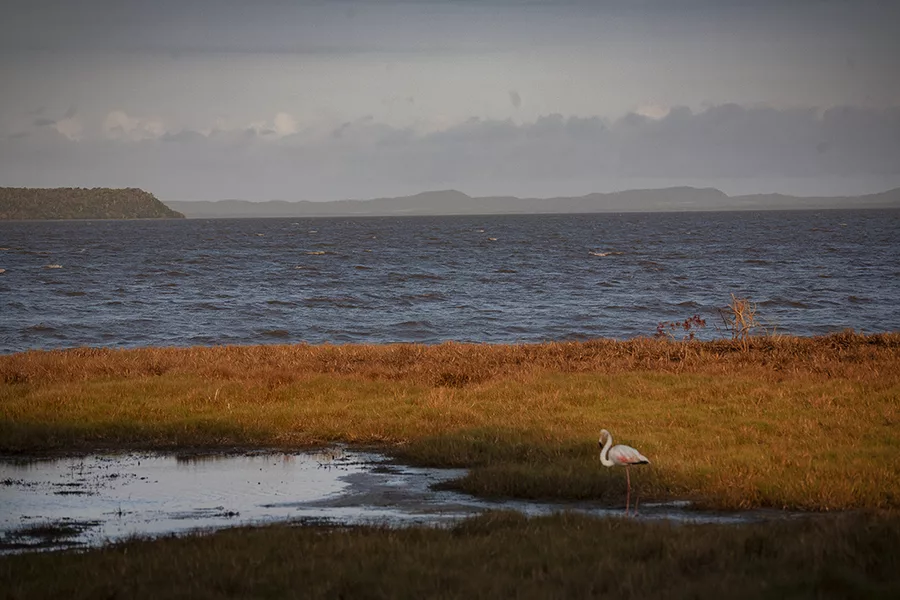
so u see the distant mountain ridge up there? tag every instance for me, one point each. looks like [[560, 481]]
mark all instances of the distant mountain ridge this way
[[453, 202], [18, 204]]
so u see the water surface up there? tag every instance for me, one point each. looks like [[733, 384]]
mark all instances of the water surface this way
[[497, 279], [97, 499]]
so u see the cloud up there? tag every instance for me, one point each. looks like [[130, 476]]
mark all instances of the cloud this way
[[120, 126], [69, 125], [313, 26], [653, 111], [515, 99], [284, 124], [365, 158]]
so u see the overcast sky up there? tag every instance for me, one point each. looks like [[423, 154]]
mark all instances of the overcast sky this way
[[327, 100]]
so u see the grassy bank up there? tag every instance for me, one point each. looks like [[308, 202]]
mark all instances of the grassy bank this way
[[493, 556], [809, 423]]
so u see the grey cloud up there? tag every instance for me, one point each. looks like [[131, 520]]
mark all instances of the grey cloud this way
[[515, 99], [186, 26], [184, 137], [43, 121], [368, 158]]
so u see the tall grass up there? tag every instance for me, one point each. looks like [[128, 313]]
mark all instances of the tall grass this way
[[454, 365], [783, 422], [497, 555]]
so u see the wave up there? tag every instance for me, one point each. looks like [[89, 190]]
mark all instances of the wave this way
[[393, 275], [651, 265], [782, 302], [689, 304], [275, 333], [209, 306], [412, 325], [333, 301], [427, 296]]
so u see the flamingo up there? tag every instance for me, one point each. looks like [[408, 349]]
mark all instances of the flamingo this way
[[621, 455]]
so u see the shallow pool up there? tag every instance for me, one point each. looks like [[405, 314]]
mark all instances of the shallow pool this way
[[97, 499]]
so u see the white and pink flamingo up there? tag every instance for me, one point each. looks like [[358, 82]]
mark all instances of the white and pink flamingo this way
[[623, 456]]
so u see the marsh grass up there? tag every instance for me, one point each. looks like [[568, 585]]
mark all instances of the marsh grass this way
[[50, 534], [496, 555], [811, 423]]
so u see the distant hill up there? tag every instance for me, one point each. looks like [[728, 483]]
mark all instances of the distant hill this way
[[452, 202], [82, 203]]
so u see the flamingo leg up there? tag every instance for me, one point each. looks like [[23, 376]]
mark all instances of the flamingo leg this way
[[627, 489]]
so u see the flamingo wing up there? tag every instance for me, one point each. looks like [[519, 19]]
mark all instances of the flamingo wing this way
[[626, 455]]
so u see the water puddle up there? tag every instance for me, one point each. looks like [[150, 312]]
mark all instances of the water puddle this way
[[92, 500]]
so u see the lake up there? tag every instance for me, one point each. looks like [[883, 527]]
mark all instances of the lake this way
[[493, 279]]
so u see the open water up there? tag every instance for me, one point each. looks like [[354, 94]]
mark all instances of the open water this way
[[489, 279]]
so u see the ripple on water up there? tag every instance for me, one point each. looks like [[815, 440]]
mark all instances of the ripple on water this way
[[275, 302], [783, 302], [333, 302], [688, 304], [274, 333], [202, 306]]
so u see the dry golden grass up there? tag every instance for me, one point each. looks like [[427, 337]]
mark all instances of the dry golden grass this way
[[789, 422], [844, 354]]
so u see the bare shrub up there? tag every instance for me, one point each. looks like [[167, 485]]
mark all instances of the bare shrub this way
[[740, 319]]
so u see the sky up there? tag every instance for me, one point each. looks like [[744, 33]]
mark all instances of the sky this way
[[303, 100]]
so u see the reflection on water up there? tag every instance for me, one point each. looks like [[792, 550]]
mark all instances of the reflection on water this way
[[111, 497], [88, 501]]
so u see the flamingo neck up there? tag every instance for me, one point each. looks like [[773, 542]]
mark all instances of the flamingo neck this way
[[604, 453]]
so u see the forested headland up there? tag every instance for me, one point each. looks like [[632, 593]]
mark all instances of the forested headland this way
[[81, 203]]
